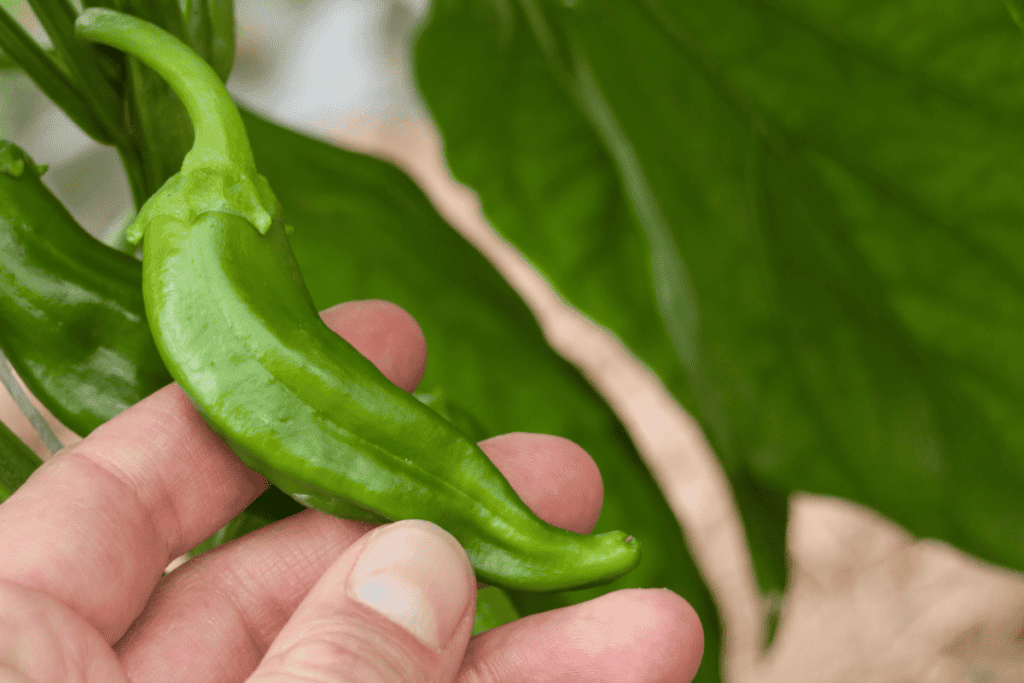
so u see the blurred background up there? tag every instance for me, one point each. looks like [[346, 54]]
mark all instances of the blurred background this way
[[866, 600]]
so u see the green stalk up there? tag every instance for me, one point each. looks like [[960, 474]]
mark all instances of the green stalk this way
[[220, 138]]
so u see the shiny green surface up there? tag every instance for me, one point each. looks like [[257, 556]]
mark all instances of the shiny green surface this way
[[238, 331], [71, 313]]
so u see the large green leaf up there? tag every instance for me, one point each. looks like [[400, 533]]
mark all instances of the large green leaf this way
[[804, 216], [364, 230]]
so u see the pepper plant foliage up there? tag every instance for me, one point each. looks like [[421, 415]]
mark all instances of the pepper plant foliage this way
[[804, 215]]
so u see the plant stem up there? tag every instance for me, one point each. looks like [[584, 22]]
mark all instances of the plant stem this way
[[58, 18], [51, 79], [220, 138], [7, 378]]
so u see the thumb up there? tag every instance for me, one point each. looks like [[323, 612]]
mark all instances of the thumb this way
[[396, 606]]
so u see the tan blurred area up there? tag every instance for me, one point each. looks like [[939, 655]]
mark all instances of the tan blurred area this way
[[866, 601]]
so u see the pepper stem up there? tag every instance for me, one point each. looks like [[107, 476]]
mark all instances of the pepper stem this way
[[220, 137]]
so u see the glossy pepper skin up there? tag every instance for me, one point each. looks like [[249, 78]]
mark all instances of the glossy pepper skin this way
[[238, 331], [72, 320]]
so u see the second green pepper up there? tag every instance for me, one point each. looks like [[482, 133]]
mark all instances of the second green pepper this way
[[71, 311]]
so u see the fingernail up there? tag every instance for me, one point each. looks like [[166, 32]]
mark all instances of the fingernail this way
[[418, 576]]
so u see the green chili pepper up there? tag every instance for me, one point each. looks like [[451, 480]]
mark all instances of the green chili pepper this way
[[239, 332], [71, 312]]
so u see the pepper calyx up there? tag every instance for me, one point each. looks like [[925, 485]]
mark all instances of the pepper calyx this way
[[200, 189]]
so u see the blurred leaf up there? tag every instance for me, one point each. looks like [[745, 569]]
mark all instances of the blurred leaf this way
[[17, 462], [167, 14], [58, 19], [211, 24], [119, 5], [22, 51], [161, 125], [804, 216], [514, 133], [1016, 10], [364, 230]]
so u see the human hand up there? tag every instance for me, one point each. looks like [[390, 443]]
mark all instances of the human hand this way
[[85, 540]]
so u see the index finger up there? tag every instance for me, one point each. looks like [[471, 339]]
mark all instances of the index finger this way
[[95, 526]]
